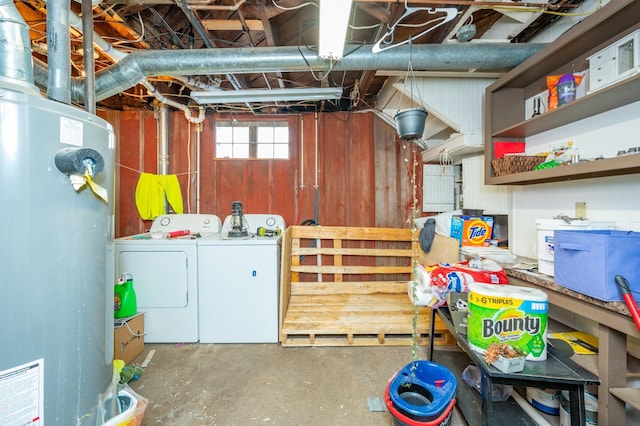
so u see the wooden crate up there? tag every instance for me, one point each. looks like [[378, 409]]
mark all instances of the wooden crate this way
[[345, 286]]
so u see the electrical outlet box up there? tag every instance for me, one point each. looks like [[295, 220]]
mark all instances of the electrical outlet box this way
[[581, 210]]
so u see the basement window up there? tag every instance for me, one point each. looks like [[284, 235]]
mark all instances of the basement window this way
[[252, 139]]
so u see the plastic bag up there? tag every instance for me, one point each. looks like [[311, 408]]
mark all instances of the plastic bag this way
[[499, 393], [562, 89], [140, 407], [433, 283]]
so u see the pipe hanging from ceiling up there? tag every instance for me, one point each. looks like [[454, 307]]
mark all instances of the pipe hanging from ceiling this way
[[136, 66], [59, 51]]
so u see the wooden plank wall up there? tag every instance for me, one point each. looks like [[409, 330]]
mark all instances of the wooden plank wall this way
[[363, 172]]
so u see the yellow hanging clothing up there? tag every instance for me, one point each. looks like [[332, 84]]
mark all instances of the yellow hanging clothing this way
[[150, 195]]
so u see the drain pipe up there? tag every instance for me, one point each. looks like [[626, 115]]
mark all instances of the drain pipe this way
[[198, 165], [166, 101], [16, 66], [59, 51], [163, 139]]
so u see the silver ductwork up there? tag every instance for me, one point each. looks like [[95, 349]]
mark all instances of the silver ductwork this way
[[59, 51], [138, 65], [16, 61], [16, 69]]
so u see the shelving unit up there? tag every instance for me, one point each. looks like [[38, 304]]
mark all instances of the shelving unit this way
[[557, 372], [505, 98], [611, 362]]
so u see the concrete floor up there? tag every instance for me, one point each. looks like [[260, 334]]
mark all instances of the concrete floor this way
[[266, 384]]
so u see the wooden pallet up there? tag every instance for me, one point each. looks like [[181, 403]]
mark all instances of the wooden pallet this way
[[349, 287]]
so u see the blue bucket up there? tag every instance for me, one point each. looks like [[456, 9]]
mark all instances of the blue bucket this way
[[424, 395]]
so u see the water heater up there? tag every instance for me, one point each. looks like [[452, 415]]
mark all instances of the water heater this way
[[56, 303]]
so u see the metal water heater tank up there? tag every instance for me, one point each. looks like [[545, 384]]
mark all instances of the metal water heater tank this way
[[56, 302]]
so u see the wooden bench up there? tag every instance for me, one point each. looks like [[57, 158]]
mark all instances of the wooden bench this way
[[346, 286]]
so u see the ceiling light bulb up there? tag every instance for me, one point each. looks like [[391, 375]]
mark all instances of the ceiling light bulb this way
[[334, 20], [466, 32]]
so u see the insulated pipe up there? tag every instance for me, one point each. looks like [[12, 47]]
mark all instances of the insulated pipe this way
[[59, 51], [437, 57], [16, 67]]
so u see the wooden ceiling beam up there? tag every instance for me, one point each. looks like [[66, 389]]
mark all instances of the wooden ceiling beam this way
[[232, 25]]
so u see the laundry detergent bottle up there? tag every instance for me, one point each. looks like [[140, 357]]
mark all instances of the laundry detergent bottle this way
[[124, 297]]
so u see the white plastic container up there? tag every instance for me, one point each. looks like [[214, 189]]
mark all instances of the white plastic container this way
[[545, 238], [590, 409], [545, 400]]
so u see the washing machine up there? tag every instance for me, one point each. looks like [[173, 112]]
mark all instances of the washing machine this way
[[164, 265], [239, 282]]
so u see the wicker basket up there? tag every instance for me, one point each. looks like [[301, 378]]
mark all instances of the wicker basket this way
[[510, 164]]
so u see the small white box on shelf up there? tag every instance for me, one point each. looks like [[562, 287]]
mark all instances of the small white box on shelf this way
[[509, 365]]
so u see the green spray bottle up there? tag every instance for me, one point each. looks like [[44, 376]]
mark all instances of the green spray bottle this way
[[124, 297]]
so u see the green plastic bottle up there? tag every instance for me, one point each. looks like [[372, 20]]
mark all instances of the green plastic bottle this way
[[124, 297]]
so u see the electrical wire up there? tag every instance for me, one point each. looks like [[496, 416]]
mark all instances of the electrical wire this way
[[300, 6]]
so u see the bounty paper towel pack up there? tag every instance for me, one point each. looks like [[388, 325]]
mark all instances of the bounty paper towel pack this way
[[508, 314]]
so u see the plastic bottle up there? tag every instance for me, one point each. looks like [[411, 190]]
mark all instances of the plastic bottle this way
[[124, 298]]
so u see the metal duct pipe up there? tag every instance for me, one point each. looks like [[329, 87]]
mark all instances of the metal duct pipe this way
[[89, 62], [138, 65], [16, 67], [59, 51]]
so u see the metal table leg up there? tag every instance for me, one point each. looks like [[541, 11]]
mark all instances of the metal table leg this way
[[432, 328], [576, 406]]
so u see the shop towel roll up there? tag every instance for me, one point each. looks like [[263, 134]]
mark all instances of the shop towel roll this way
[[508, 314]]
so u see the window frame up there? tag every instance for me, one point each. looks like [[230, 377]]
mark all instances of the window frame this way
[[253, 125]]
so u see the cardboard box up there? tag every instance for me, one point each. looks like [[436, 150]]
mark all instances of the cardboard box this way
[[128, 337], [472, 231], [509, 365]]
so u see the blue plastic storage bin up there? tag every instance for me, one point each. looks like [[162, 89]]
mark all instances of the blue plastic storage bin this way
[[588, 261]]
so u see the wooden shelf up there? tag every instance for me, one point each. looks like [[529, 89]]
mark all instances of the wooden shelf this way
[[614, 96], [624, 165], [628, 395], [505, 98]]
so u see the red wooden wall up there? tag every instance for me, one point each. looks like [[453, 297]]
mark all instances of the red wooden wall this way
[[364, 175]]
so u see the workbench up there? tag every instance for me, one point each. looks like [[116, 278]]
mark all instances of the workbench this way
[[615, 325], [556, 372]]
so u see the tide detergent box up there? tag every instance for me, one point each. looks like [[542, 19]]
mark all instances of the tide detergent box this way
[[473, 231]]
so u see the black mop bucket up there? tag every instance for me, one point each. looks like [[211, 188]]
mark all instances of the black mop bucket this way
[[425, 396]]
